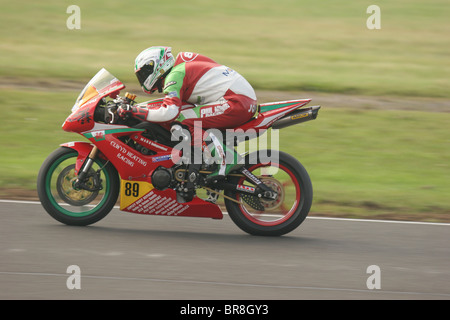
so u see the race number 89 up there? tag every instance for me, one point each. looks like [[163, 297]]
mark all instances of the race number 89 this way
[[132, 189]]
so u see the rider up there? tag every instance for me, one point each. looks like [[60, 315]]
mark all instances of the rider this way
[[198, 92]]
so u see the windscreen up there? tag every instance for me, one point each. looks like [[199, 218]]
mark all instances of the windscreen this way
[[102, 83]]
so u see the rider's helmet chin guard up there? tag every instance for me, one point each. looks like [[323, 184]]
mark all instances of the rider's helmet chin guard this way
[[152, 65]]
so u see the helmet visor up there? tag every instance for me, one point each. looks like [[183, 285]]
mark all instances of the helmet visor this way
[[143, 73]]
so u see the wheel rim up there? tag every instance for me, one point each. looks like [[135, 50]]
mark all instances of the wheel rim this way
[[282, 180], [69, 201]]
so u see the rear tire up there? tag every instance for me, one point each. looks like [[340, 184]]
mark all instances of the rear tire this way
[[287, 212], [74, 206]]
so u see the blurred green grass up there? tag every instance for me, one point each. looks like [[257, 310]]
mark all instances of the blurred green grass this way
[[295, 45], [363, 163]]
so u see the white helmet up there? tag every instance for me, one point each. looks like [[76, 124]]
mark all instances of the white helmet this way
[[152, 65]]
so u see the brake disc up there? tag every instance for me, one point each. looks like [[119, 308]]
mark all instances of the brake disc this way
[[71, 195], [263, 204], [275, 185]]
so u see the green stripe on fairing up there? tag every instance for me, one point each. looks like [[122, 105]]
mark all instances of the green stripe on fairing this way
[[89, 135], [277, 106]]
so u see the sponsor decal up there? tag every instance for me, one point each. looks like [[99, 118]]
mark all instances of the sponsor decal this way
[[241, 187], [125, 159], [127, 156], [251, 176], [153, 203], [172, 94], [227, 72], [151, 143], [162, 158], [214, 110], [299, 116]]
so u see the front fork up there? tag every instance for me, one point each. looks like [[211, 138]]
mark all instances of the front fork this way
[[84, 173]]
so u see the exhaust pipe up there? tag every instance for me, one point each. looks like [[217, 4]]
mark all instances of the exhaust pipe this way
[[296, 117]]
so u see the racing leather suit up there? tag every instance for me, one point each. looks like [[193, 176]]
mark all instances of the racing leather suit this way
[[199, 91]]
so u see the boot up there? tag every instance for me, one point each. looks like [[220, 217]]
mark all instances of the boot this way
[[226, 158]]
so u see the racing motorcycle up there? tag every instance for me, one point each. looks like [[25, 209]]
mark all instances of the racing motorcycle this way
[[140, 165]]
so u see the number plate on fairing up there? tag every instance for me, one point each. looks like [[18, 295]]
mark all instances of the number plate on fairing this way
[[131, 191], [142, 198]]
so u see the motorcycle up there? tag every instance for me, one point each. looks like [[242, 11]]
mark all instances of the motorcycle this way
[[138, 163]]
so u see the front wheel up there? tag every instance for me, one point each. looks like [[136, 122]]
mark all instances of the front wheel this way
[[258, 216], [71, 205]]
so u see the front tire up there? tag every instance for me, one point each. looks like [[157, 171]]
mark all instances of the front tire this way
[[285, 175], [67, 204]]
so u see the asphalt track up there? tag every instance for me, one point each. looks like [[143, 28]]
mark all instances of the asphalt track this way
[[127, 256]]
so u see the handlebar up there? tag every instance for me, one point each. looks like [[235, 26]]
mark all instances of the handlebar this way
[[110, 114]]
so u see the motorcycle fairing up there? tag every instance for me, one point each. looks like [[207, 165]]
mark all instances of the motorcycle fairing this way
[[101, 85], [142, 198], [137, 194], [83, 149], [271, 112]]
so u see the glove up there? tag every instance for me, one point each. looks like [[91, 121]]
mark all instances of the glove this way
[[125, 111]]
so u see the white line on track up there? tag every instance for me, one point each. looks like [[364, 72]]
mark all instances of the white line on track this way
[[312, 218], [234, 284]]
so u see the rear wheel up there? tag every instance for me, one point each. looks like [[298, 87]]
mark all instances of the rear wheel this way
[[71, 205], [274, 217]]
